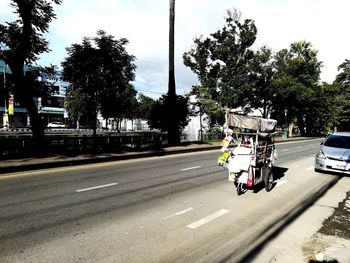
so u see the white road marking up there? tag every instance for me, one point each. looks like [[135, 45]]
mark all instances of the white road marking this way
[[310, 168], [95, 187], [299, 147], [281, 182], [180, 213], [207, 219], [285, 150], [191, 168]]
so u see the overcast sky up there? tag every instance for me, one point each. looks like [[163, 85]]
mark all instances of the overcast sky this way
[[144, 23]]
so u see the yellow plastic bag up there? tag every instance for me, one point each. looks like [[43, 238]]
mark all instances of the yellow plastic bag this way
[[223, 158]]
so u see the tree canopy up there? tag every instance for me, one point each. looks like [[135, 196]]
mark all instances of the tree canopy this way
[[100, 69], [296, 82], [159, 114], [284, 85], [222, 60]]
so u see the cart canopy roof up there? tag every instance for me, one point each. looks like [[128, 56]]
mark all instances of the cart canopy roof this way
[[253, 123]]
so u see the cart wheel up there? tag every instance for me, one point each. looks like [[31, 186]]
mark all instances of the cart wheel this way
[[268, 178], [240, 189]]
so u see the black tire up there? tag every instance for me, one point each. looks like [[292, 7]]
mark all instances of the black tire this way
[[239, 189], [268, 178]]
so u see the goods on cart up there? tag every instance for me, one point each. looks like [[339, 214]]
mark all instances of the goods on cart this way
[[248, 151]]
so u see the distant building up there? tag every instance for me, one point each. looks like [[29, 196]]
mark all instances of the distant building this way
[[197, 125], [50, 109]]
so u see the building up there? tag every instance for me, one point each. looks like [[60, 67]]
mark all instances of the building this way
[[50, 109]]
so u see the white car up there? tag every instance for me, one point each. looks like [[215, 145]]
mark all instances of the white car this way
[[56, 124]]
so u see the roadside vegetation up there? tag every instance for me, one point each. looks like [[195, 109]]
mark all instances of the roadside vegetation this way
[[283, 84]]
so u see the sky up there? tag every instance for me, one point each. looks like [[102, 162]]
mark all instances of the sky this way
[[145, 23]]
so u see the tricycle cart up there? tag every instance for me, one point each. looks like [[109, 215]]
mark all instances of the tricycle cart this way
[[248, 151]]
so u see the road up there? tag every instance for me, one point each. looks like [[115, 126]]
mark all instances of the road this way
[[178, 208]]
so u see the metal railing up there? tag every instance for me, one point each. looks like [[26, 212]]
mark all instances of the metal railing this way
[[22, 146]]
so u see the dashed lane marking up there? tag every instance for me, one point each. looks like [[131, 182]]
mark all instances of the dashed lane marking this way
[[180, 213], [285, 150], [95, 187], [191, 168], [207, 219], [310, 168]]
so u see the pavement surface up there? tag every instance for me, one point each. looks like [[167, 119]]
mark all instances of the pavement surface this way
[[320, 234]]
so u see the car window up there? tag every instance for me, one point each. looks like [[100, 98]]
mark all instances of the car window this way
[[338, 141]]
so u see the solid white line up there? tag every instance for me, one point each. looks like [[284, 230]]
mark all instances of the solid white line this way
[[95, 187], [207, 219], [310, 168], [191, 168], [279, 183], [180, 213]]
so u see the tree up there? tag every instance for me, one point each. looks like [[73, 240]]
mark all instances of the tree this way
[[145, 106], [21, 42], [76, 104], [100, 70], [222, 63], [262, 73], [173, 128], [159, 115], [207, 105], [296, 82], [341, 96], [120, 104]]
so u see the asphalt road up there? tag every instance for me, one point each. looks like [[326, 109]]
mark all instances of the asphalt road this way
[[178, 208]]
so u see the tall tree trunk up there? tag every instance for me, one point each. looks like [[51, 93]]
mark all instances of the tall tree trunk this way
[[301, 124], [23, 95], [78, 123], [173, 126], [94, 122]]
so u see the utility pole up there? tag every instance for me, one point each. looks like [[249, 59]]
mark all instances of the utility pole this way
[[5, 118], [173, 126]]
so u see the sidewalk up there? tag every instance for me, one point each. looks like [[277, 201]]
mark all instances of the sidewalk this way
[[59, 160], [320, 234]]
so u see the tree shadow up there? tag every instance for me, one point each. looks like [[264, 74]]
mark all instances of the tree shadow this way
[[278, 173], [324, 261]]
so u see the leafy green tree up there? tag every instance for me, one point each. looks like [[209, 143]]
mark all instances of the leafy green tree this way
[[159, 115], [341, 98], [100, 69], [21, 42], [145, 106], [77, 105], [262, 73], [296, 82], [120, 104], [207, 105], [222, 64]]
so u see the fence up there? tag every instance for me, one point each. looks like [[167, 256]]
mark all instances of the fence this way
[[12, 147]]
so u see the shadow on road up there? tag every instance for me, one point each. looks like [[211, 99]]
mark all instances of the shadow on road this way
[[328, 261], [271, 231], [278, 173]]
